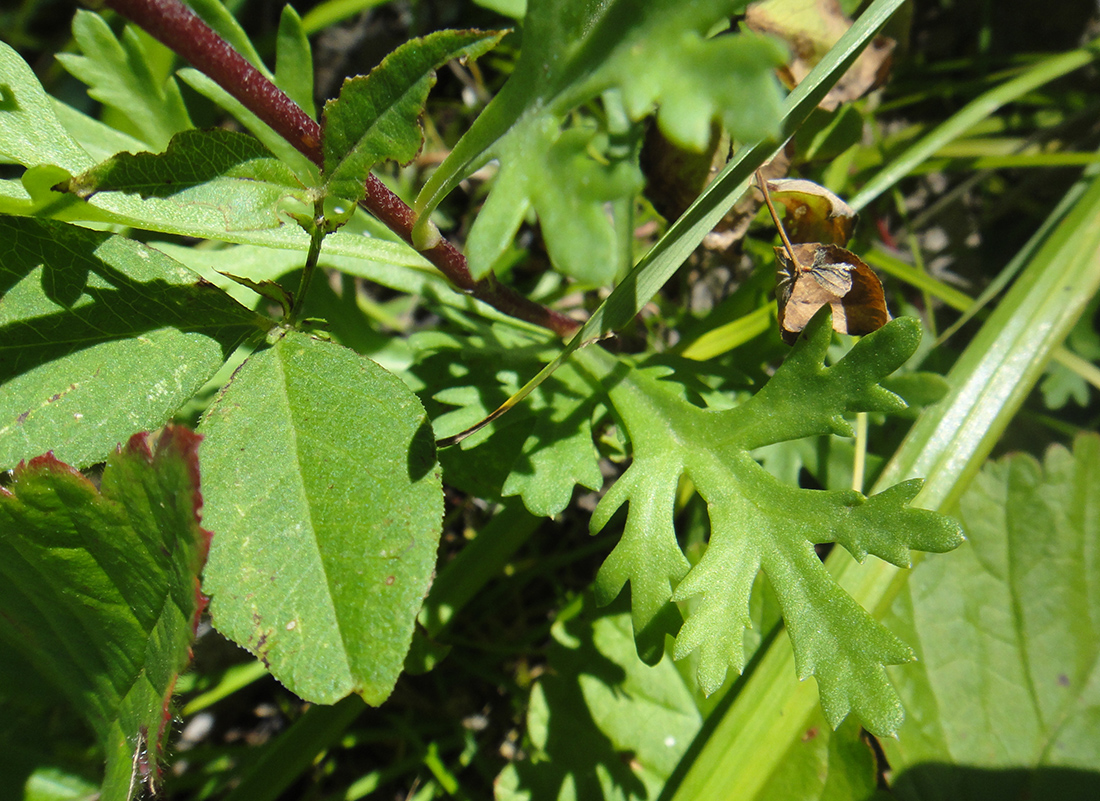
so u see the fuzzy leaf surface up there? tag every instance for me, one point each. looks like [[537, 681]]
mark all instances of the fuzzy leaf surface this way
[[325, 494], [603, 724], [758, 523], [227, 171], [376, 116], [652, 53], [1008, 683], [99, 336], [542, 449], [100, 588], [118, 75]]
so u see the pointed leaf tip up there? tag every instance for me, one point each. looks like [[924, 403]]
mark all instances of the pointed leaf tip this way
[[376, 116]]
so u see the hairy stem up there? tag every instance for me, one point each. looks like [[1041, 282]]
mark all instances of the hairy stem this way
[[179, 28]]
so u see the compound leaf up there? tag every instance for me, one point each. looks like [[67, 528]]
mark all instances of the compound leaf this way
[[539, 451], [324, 491], [118, 75], [758, 523], [651, 55], [100, 589]]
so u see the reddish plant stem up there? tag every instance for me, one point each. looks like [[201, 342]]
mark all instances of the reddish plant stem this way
[[180, 29]]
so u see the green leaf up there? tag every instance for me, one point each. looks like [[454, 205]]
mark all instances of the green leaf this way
[[30, 132], [757, 523], [99, 140], [294, 61], [824, 765], [100, 589], [655, 55], [100, 335], [1059, 271], [540, 451], [323, 488], [1007, 637], [221, 20], [223, 170], [602, 723], [376, 116], [118, 75]]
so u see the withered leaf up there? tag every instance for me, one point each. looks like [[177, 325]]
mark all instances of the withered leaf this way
[[811, 27], [828, 274], [814, 214]]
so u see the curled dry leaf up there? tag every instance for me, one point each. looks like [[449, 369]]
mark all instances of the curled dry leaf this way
[[814, 214], [828, 274], [810, 28]]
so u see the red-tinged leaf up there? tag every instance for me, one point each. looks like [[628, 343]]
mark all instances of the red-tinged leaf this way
[[100, 589]]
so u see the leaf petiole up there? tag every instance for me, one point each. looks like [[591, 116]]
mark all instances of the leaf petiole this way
[[317, 233]]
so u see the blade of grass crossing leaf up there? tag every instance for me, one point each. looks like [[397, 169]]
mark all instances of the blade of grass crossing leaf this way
[[684, 235], [974, 112], [947, 446]]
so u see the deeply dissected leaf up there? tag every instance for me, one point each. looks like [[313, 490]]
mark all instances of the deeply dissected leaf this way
[[224, 170], [758, 523], [100, 335], [118, 75], [376, 116], [100, 590], [540, 451], [603, 723], [1007, 687], [323, 488], [652, 54]]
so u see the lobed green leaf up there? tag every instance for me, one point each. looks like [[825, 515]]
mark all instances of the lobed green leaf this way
[[118, 75], [654, 56], [585, 711], [540, 451], [758, 523]]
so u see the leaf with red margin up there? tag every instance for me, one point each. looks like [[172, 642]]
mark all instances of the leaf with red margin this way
[[100, 589]]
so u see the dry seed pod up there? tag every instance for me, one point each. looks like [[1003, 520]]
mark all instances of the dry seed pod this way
[[828, 274]]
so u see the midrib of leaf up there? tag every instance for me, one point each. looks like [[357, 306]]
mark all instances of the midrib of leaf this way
[[947, 445], [308, 506]]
